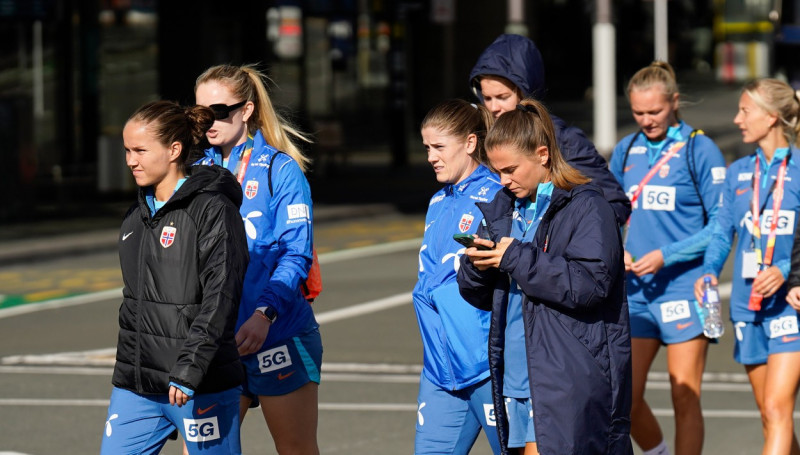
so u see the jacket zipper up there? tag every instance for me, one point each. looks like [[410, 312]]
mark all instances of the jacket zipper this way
[[139, 284]]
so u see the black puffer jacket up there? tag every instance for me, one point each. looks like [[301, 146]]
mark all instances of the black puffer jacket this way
[[183, 272]]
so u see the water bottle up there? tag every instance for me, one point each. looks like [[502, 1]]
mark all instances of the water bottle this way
[[713, 326]]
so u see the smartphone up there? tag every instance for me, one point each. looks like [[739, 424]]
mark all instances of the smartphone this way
[[468, 241]]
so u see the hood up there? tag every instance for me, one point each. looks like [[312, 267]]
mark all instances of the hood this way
[[211, 179], [515, 58]]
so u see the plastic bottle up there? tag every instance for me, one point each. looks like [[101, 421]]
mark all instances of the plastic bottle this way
[[713, 326]]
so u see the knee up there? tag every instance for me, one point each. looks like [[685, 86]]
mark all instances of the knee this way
[[776, 411], [684, 397]]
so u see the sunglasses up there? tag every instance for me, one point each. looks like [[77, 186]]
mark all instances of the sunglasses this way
[[222, 111]]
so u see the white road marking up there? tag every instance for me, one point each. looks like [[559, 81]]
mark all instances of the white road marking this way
[[325, 258], [359, 407], [365, 308], [61, 303], [368, 251]]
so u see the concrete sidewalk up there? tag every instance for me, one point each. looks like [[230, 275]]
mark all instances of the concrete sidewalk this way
[[91, 235]]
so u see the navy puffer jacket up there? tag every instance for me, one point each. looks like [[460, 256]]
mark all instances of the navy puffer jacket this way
[[575, 313], [517, 59]]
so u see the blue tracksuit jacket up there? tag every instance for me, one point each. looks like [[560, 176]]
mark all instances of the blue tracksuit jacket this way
[[735, 219], [279, 238], [454, 334], [668, 214]]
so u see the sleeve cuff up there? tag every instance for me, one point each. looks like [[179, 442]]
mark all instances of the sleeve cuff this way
[[189, 392]]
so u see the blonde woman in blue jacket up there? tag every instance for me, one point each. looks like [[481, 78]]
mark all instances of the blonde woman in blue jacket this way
[[277, 334]]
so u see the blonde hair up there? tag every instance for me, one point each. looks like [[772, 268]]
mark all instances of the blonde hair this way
[[657, 73], [248, 83], [780, 99], [527, 128], [459, 119]]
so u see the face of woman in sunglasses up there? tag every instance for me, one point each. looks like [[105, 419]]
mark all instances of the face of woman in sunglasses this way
[[227, 132]]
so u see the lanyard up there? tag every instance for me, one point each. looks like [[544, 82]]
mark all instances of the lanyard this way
[[765, 260], [670, 153], [244, 159]]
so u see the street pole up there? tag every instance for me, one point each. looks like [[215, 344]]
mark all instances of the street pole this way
[[516, 18], [604, 80], [661, 50]]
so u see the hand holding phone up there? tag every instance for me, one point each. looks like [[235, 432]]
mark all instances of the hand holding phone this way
[[468, 241]]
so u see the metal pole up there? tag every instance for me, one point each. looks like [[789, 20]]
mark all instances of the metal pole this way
[[604, 80], [516, 18], [660, 28]]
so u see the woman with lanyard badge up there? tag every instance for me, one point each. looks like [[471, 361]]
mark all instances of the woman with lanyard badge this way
[[674, 177], [277, 333], [760, 204]]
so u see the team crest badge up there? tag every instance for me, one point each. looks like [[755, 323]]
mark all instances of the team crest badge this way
[[664, 171], [465, 223], [251, 189], [168, 236]]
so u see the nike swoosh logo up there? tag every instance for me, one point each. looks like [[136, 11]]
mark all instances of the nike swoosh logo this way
[[203, 411], [125, 236], [786, 339], [282, 376], [741, 191], [683, 325], [628, 168]]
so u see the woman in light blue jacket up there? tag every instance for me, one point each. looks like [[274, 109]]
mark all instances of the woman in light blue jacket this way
[[454, 400]]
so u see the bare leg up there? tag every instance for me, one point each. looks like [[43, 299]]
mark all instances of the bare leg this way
[[292, 420], [685, 363], [779, 394], [644, 426]]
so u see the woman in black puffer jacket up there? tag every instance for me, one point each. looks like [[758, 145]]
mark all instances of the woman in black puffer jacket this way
[[183, 255]]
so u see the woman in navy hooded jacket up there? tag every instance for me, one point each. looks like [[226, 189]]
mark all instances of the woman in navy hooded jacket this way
[[511, 69], [569, 279], [277, 334], [455, 399]]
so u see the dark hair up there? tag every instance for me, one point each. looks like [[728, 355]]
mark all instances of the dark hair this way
[[527, 128], [170, 122], [459, 118], [247, 83]]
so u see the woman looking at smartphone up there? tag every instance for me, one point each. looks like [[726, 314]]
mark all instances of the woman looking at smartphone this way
[[566, 276]]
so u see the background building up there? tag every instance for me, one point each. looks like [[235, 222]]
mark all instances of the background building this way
[[359, 74]]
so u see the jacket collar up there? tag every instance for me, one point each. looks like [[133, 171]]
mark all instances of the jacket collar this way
[[498, 212]]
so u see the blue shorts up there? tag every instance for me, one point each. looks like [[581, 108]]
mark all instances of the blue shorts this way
[[671, 322], [755, 341], [284, 367], [209, 423], [450, 421], [520, 421]]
